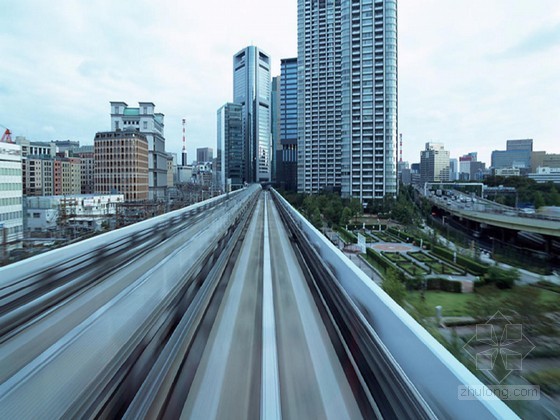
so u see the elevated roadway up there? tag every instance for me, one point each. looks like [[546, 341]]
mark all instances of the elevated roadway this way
[[233, 308]]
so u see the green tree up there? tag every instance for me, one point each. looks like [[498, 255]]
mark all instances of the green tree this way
[[393, 286], [356, 207], [345, 216], [538, 199], [316, 218]]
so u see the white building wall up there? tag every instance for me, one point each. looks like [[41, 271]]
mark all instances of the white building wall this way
[[11, 196]]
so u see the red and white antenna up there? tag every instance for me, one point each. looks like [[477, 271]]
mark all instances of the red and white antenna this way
[[184, 154], [400, 149]]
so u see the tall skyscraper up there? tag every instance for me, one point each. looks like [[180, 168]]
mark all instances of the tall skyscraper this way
[[251, 90], [230, 163], [275, 146], [347, 97], [287, 162], [149, 123]]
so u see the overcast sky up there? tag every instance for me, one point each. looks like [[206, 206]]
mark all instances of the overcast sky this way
[[472, 73]]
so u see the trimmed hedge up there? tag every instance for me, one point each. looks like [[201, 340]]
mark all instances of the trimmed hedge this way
[[472, 266], [347, 237], [383, 263], [444, 284]]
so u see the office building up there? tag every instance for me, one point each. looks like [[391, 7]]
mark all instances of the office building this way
[[275, 146], [288, 147], [145, 120], [434, 163], [204, 154], [347, 97], [11, 196], [518, 154], [251, 90], [230, 162], [121, 164]]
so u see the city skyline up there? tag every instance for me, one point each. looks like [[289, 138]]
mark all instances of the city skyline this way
[[471, 87]]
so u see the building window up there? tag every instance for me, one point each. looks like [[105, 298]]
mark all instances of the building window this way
[[145, 127]]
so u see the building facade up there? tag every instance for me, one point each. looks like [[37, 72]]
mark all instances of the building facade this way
[[347, 97], [251, 90], [11, 198], [121, 164], [434, 163], [230, 162], [145, 120]]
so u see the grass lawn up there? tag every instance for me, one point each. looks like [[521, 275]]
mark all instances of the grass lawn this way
[[453, 304]]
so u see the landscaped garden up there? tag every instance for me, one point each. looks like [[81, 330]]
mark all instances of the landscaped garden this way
[[442, 268], [385, 237]]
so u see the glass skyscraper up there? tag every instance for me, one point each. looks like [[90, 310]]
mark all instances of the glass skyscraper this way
[[287, 165], [251, 90], [230, 163], [347, 97]]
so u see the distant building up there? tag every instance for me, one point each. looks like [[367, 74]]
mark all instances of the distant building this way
[[81, 211], [171, 169], [453, 169], [470, 169], [11, 196], [121, 164], [403, 169], [275, 147], [251, 90], [204, 154], [36, 148], [87, 159], [434, 163], [546, 174], [230, 162], [150, 123], [66, 146], [38, 175], [507, 172], [415, 173], [518, 154], [288, 153]]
